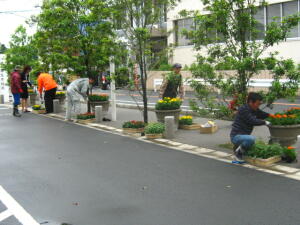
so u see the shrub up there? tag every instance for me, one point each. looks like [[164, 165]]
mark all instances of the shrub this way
[[86, 116], [98, 98], [134, 124], [186, 120], [289, 154], [60, 94], [264, 151], [155, 128], [168, 104]]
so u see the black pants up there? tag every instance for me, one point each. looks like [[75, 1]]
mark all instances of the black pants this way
[[49, 97]]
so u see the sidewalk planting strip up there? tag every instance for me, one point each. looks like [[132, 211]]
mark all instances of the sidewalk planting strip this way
[[288, 172]]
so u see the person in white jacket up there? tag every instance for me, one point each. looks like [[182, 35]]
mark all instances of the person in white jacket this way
[[77, 89]]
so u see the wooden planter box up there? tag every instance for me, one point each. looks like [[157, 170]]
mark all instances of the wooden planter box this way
[[41, 111], [86, 121], [133, 130], [263, 162], [154, 136], [208, 130], [194, 126]]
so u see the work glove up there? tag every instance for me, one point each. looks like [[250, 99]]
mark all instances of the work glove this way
[[268, 123]]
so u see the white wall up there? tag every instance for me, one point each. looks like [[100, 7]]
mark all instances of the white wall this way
[[4, 88], [186, 55]]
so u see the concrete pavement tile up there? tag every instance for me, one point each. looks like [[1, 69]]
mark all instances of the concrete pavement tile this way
[[187, 147], [285, 169], [204, 150], [220, 154]]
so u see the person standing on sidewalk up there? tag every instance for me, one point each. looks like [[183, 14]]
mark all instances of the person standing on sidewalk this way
[[173, 84], [25, 83], [248, 116], [16, 89], [77, 89], [47, 83]]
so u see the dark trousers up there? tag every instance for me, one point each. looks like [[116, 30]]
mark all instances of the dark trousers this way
[[49, 97]]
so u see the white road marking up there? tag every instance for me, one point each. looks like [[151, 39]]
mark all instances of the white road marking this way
[[4, 215], [15, 209]]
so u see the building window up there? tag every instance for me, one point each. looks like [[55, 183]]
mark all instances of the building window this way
[[180, 26], [259, 16], [274, 13], [290, 8]]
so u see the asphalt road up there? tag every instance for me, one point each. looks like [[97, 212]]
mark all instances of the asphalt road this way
[[62, 172], [124, 96]]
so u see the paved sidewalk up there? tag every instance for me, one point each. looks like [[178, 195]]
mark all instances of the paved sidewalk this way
[[218, 141]]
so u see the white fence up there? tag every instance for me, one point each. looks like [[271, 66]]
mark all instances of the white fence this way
[[253, 82]]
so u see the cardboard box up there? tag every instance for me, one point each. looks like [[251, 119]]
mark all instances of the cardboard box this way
[[208, 130]]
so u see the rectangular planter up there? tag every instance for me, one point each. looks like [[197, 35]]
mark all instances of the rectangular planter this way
[[133, 130], [194, 126], [263, 162], [208, 130], [153, 136], [41, 111], [86, 121]]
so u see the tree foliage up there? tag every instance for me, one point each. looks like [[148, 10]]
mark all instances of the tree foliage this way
[[74, 36], [21, 51], [228, 35], [138, 19]]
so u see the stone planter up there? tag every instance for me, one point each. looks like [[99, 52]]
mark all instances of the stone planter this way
[[62, 99], [194, 126], [161, 114], [104, 104], [133, 130], [263, 162], [32, 98], [154, 136], [284, 135]]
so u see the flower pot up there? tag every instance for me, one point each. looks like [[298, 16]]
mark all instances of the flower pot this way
[[154, 136], [104, 104], [161, 114], [263, 162], [284, 135], [32, 98], [133, 130], [194, 126], [62, 99]]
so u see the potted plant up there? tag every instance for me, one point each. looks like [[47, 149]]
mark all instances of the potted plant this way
[[285, 127], [61, 96], [168, 107], [133, 126], [154, 130], [262, 154], [186, 123], [32, 96], [289, 154], [38, 109], [85, 118], [99, 100]]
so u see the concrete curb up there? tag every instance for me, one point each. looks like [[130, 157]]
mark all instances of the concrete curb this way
[[285, 171]]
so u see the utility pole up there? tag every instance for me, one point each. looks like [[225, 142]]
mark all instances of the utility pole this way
[[113, 89]]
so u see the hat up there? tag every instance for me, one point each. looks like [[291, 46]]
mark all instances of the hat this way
[[177, 65], [18, 67]]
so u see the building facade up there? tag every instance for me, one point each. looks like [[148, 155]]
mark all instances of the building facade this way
[[4, 87], [183, 49]]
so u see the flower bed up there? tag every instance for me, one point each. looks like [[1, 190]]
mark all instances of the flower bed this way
[[154, 130], [38, 109], [99, 100], [285, 127], [262, 154], [186, 123], [60, 94], [133, 126]]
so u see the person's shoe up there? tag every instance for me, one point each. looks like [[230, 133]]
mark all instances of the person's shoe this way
[[238, 154], [106, 119], [26, 111], [16, 112]]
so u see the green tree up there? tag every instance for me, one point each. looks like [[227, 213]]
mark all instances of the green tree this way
[[2, 48], [138, 19], [228, 37], [21, 51], [74, 36]]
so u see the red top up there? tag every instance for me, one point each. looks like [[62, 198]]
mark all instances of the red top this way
[[15, 83]]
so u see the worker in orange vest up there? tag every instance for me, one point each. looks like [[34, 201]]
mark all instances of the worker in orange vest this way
[[47, 84]]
